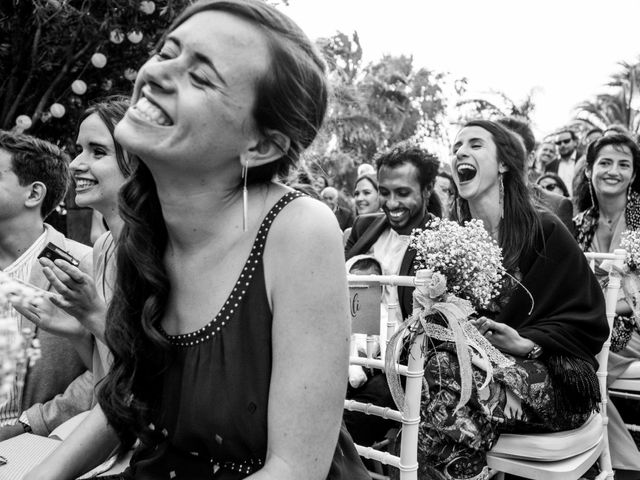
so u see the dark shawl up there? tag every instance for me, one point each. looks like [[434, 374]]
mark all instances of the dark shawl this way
[[568, 315], [567, 318]]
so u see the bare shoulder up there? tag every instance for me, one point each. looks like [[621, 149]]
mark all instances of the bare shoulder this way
[[305, 220]]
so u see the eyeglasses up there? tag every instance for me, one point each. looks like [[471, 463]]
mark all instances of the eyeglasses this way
[[550, 186], [566, 141]]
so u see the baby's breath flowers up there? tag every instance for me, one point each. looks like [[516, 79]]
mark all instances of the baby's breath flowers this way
[[469, 259], [17, 349], [630, 241]]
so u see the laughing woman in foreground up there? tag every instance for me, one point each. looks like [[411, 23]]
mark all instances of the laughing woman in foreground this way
[[223, 365], [547, 324]]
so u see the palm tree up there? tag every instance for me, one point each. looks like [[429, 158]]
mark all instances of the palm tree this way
[[620, 106], [496, 104]]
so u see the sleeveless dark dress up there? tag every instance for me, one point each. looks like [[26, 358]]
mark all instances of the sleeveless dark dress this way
[[215, 393]]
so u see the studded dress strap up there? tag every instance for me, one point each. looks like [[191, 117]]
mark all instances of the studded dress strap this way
[[225, 314]]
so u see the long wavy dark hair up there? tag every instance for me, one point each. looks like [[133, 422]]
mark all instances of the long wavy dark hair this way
[[585, 195], [290, 98], [521, 226]]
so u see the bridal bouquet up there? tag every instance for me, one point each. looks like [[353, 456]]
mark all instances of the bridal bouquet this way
[[17, 349], [465, 272], [630, 241], [464, 255]]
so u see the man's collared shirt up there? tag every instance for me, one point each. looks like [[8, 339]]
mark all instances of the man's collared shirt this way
[[20, 270]]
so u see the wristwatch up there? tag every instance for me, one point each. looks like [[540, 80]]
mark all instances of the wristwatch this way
[[24, 421], [535, 352]]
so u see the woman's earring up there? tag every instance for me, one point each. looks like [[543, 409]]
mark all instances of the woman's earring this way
[[501, 195], [245, 196], [593, 202]]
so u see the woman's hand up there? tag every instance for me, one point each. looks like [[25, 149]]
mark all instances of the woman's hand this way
[[78, 296], [47, 316], [503, 337]]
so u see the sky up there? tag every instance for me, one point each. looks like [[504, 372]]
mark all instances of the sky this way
[[565, 49]]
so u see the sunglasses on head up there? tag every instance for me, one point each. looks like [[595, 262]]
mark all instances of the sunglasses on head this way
[[565, 141], [550, 186]]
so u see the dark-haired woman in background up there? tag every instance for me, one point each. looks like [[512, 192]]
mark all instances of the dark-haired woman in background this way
[[548, 325], [222, 367], [608, 197], [365, 194], [99, 169], [553, 183]]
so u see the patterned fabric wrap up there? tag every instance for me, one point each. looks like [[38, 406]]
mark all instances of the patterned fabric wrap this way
[[586, 222], [520, 398]]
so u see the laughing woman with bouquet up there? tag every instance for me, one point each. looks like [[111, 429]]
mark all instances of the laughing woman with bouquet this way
[[542, 330]]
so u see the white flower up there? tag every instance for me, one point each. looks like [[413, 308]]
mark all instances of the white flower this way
[[469, 260], [630, 241], [437, 285]]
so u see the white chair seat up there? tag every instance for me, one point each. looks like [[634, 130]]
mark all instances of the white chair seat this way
[[632, 371], [629, 380], [550, 446]]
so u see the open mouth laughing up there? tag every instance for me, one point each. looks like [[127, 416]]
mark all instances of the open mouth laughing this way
[[84, 183], [466, 172], [152, 112]]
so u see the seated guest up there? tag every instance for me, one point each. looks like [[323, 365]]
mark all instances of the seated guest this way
[[406, 176], [99, 170], [545, 154], [551, 182], [365, 194], [446, 190], [550, 326], [555, 203], [221, 367], [330, 196], [33, 179], [609, 202]]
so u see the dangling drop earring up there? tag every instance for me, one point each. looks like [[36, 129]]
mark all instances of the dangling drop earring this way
[[591, 195], [501, 195], [245, 196]]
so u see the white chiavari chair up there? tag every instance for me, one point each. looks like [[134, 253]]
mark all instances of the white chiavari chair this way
[[365, 297]]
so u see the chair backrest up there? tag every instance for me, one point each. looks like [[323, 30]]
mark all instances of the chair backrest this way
[[409, 416], [613, 263]]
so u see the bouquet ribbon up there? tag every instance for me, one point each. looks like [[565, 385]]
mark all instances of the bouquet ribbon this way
[[471, 346]]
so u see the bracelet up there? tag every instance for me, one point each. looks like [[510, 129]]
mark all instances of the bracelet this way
[[535, 352]]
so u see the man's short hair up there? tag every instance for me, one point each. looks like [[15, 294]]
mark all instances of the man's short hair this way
[[521, 128], [35, 160], [425, 162]]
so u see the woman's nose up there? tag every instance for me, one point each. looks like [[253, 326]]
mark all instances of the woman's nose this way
[[158, 75], [78, 163]]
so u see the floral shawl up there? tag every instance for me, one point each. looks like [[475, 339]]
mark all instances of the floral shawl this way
[[586, 222]]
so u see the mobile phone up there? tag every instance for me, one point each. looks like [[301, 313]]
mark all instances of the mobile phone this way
[[53, 252]]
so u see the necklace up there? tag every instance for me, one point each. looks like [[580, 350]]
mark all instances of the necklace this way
[[611, 223]]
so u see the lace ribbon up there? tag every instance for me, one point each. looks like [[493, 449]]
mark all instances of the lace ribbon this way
[[471, 346]]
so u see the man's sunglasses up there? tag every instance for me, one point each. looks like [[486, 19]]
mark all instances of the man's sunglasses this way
[[565, 141], [550, 186]]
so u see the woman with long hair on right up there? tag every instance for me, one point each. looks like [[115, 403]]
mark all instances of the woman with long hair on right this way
[[548, 325], [608, 198], [229, 322]]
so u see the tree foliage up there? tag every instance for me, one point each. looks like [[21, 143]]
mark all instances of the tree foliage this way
[[496, 104], [45, 45], [374, 106], [620, 105]]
